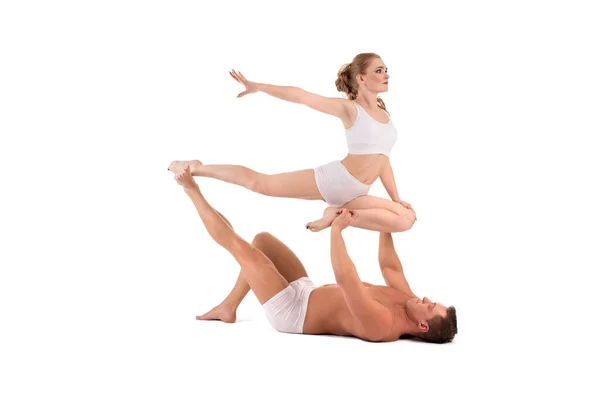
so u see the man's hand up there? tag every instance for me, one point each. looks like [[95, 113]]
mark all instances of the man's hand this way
[[344, 219]]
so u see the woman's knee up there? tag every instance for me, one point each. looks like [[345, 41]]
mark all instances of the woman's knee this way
[[260, 183], [404, 221]]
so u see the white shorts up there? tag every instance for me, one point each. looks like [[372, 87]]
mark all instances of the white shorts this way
[[287, 309], [337, 185]]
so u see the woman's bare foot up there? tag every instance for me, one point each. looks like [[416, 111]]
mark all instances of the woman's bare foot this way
[[325, 221], [185, 178], [222, 312], [178, 166]]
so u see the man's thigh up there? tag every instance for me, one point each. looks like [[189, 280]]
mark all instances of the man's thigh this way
[[284, 259], [260, 272]]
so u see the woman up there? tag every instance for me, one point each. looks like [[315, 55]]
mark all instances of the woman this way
[[345, 183]]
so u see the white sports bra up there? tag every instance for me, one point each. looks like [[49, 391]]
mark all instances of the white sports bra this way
[[368, 136]]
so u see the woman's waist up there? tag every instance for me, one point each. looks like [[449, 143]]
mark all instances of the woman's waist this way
[[365, 167]]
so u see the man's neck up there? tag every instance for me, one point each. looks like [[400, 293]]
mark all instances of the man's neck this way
[[403, 325]]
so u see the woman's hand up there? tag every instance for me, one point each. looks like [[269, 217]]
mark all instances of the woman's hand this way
[[251, 87], [407, 206]]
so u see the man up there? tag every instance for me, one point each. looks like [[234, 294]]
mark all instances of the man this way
[[293, 304]]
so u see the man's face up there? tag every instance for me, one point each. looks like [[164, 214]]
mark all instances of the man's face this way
[[422, 310]]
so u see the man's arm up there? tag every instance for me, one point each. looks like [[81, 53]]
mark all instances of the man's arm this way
[[369, 312], [391, 267]]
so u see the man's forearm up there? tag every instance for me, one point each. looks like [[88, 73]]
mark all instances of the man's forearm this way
[[343, 267], [391, 267], [287, 93], [388, 258], [389, 182]]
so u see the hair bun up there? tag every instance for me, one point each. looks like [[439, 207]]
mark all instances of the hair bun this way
[[344, 68]]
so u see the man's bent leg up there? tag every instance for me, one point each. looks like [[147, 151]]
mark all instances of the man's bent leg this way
[[287, 310], [261, 274], [226, 311], [284, 259]]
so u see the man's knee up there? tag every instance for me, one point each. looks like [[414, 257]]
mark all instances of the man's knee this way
[[262, 239]]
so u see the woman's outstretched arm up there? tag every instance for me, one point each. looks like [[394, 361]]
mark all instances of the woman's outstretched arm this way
[[337, 107]]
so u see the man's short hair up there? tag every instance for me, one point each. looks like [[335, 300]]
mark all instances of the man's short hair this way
[[441, 329]]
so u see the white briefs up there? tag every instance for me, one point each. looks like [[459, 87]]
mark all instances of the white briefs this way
[[286, 310], [337, 185]]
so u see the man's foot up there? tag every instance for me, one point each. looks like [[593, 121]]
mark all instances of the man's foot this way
[[329, 215], [222, 312], [185, 178], [178, 166]]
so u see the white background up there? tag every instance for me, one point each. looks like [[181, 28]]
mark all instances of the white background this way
[[105, 263]]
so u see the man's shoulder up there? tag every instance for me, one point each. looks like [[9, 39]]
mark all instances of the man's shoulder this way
[[383, 332], [367, 284]]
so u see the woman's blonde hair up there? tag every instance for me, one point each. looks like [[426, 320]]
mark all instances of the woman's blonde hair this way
[[346, 80]]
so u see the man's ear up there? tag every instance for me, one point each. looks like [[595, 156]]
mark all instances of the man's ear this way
[[423, 326]]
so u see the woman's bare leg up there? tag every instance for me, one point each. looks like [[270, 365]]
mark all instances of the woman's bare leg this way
[[297, 184], [376, 214]]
